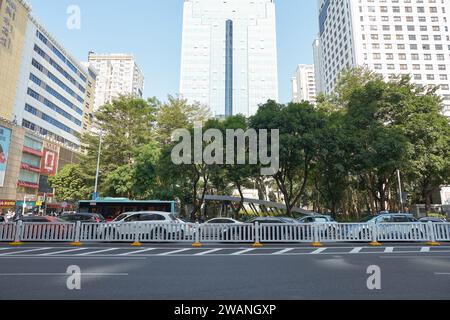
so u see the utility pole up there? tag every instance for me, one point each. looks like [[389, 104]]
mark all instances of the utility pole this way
[[400, 190], [95, 195]]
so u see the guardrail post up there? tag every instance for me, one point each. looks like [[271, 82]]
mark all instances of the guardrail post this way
[[316, 236], [136, 242], [432, 235], [76, 241], [18, 234], [257, 243], [375, 242], [197, 243]]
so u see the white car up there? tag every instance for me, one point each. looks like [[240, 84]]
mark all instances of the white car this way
[[220, 228], [222, 221], [152, 225]]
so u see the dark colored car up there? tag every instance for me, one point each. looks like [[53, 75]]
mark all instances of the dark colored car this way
[[39, 219], [277, 233], [83, 217], [2, 219], [42, 227]]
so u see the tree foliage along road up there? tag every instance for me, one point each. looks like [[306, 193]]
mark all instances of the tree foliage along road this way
[[340, 156]]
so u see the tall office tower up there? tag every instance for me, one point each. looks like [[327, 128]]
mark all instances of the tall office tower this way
[[117, 74], [391, 37], [317, 65], [304, 84], [229, 55]]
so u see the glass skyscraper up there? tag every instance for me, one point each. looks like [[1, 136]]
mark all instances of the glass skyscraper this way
[[229, 55]]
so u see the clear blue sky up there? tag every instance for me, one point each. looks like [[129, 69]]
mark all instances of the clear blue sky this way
[[151, 30]]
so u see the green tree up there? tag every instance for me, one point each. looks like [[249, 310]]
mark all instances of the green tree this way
[[177, 113], [71, 184], [299, 126]]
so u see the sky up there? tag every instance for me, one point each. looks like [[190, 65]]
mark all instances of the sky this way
[[151, 30]]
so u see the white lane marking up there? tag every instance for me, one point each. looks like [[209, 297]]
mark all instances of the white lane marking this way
[[1, 249], [356, 250], [60, 252], [389, 250], [425, 249], [242, 252], [95, 252], [23, 251], [442, 273], [136, 252], [174, 252], [318, 251], [63, 274], [207, 252], [283, 251]]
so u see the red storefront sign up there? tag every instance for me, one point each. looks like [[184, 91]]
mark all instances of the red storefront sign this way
[[49, 162], [7, 203], [28, 185], [32, 151], [27, 167]]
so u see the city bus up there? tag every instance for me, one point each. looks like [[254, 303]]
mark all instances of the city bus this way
[[110, 208]]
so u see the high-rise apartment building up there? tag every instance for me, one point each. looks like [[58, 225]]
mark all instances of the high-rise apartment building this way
[[304, 84], [45, 104], [117, 74], [390, 37], [229, 55]]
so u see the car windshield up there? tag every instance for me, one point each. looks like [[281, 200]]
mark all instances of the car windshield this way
[[172, 217], [322, 219], [367, 219], [120, 217]]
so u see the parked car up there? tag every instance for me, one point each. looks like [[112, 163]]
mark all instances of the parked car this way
[[82, 217], [42, 227], [222, 221], [189, 228], [388, 227], [269, 233], [328, 227], [431, 219], [220, 228], [152, 225], [317, 219]]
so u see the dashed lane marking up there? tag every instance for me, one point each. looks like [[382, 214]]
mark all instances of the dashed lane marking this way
[[23, 251], [173, 252], [242, 252], [356, 250], [207, 252], [389, 250], [136, 252], [425, 249], [319, 251], [96, 252], [61, 252], [284, 251]]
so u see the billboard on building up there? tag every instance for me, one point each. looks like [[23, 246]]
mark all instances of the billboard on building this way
[[5, 139], [49, 163]]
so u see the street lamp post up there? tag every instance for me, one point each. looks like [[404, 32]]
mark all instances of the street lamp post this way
[[400, 189], [95, 195]]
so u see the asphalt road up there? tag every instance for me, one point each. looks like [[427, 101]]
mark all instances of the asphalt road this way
[[281, 272]]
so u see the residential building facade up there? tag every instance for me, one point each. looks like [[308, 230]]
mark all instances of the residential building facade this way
[[390, 37], [304, 84], [229, 55], [117, 74], [46, 102]]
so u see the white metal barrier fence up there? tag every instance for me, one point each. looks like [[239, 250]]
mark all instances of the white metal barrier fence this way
[[224, 233]]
